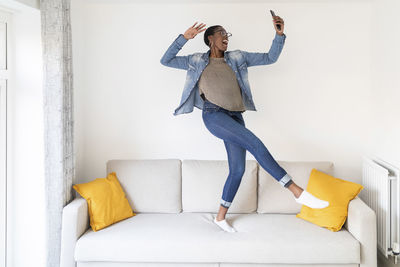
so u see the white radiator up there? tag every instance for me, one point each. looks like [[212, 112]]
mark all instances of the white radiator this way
[[381, 193]]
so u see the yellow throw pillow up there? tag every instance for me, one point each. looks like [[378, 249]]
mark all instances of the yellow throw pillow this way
[[337, 192], [106, 201]]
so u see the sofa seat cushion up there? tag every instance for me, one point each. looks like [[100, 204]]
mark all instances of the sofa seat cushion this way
[[193, 237]]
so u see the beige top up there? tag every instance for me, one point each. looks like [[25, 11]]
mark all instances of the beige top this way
[[219, 85]]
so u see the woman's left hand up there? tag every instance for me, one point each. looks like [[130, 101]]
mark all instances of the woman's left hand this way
[[278, 20]]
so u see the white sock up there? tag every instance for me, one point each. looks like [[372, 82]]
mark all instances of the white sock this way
[[311, 201], [224, 225]]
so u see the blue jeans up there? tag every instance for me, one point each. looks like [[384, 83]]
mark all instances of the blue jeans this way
[[230, 127]]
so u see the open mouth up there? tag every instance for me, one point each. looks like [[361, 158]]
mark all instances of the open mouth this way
[[225, 42]]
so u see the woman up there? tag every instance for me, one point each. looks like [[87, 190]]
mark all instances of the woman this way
[[220, 81]]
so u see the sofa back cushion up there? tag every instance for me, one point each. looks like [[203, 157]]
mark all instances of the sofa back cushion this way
[[273, 198], [151, 185], [203, 182]]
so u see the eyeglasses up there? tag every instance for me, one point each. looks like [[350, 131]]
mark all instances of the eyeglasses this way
[[224, 33]]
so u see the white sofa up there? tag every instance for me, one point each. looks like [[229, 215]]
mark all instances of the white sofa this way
[[175, 201]]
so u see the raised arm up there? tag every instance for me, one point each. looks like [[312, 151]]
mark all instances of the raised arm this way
[[258, 58], [170, 58]]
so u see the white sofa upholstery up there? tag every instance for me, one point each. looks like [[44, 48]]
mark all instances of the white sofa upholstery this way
[[174, 202]]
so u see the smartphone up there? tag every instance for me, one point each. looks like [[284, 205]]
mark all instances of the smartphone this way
[[278, 26]]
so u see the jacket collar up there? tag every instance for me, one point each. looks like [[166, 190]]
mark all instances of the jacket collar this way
[[206, 55]]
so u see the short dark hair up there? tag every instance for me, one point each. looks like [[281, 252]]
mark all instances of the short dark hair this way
[[210, 31]]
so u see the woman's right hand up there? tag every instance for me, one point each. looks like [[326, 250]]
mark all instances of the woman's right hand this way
[[193, 31]]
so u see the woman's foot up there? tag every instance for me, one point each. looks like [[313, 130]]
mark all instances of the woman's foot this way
[[303, 197], [311, 201], [224, 225]]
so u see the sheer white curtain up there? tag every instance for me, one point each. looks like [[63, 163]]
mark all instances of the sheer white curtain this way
[[58, 119]]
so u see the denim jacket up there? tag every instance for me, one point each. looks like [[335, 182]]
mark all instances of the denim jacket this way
[[195, 63]]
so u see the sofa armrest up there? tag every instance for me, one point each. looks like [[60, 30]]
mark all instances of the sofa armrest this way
[[361, 223], [75, 222]]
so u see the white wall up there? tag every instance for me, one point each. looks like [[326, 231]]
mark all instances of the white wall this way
[[385, 66], [26, 224], [18, 5], [31, 3], [385, 39], [313, 104]]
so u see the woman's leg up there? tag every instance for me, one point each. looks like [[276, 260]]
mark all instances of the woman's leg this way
[[223, 126], [235, 125], [237, 166]]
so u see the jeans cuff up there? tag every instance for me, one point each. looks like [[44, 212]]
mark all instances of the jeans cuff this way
[[286, 180], [288, 183], [226, 204]]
